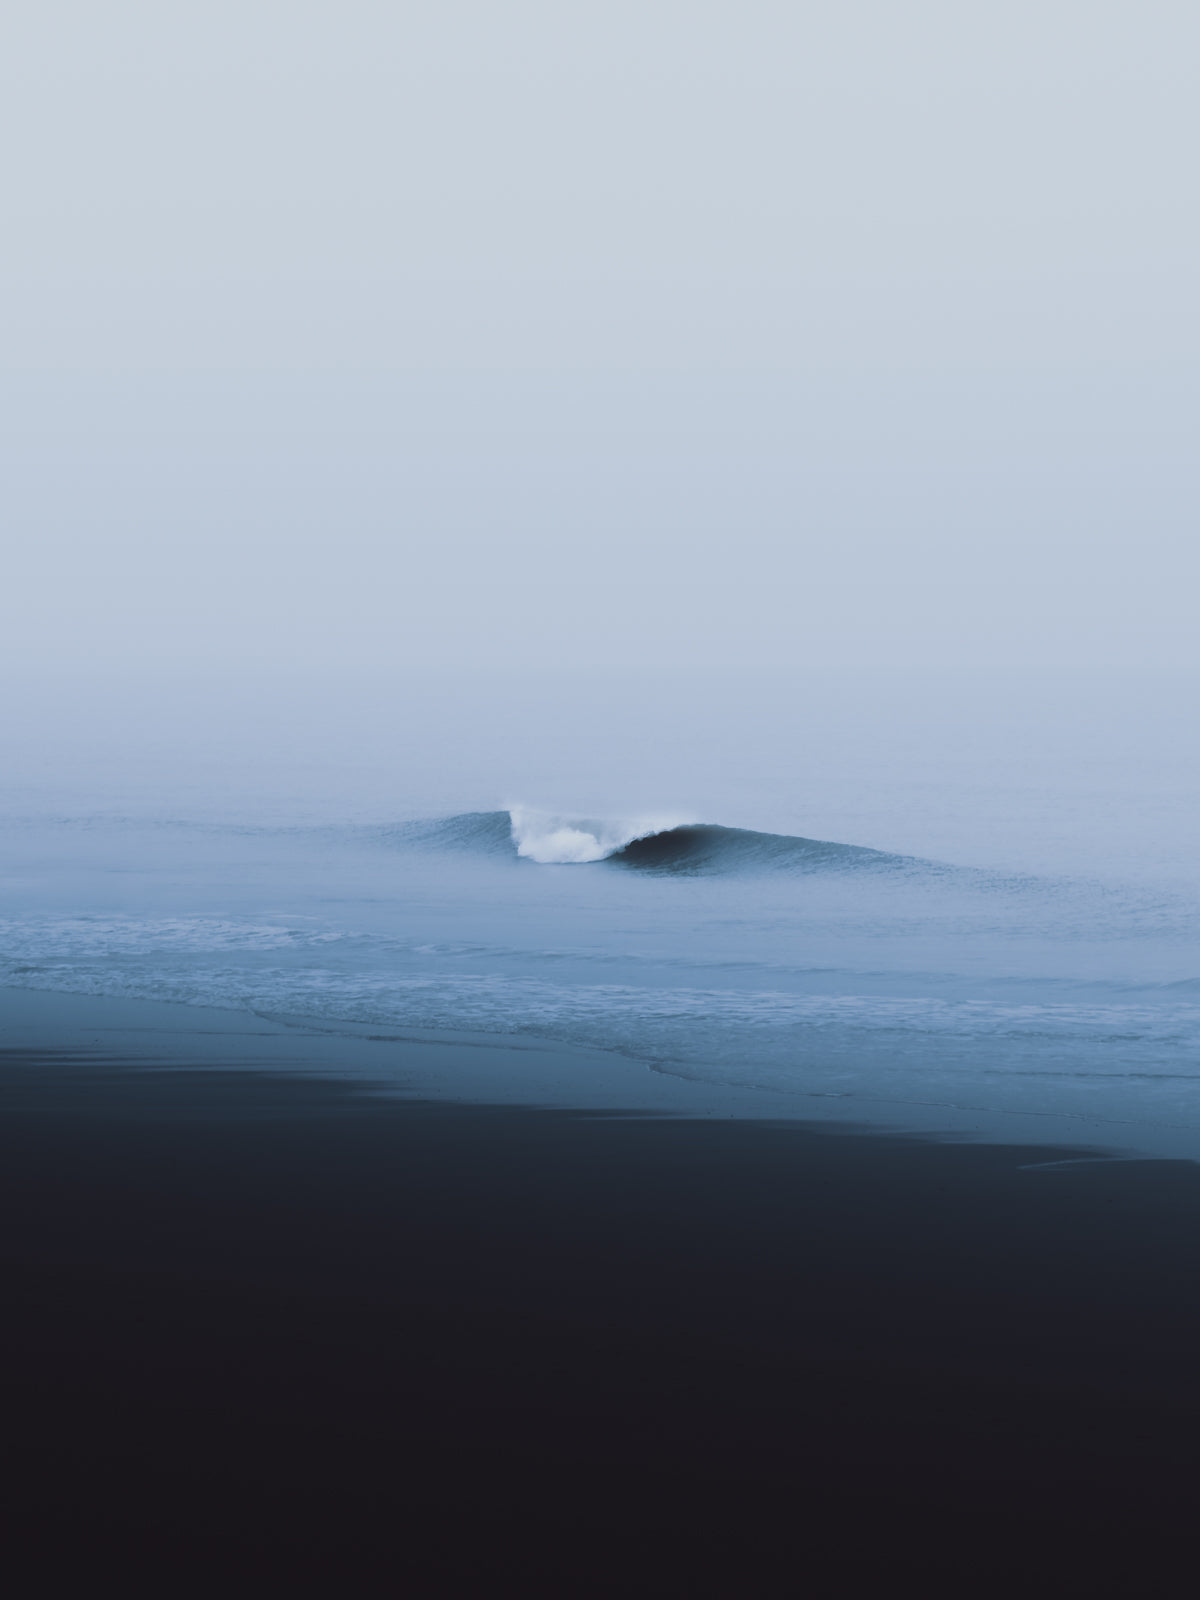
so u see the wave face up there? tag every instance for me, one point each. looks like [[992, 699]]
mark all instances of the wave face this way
[[662, 845], [476, 832], [706, 847]]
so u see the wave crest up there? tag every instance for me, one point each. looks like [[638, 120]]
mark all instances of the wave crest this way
[[657, 845], [561, 841]]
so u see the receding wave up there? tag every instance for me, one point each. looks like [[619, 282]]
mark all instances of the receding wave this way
[[653, 845]]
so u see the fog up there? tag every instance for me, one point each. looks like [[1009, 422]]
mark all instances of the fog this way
[[386, 351]]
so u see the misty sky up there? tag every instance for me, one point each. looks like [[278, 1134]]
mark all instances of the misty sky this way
[[484, 335]]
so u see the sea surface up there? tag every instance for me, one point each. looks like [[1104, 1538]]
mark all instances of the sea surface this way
[[1004, 924]]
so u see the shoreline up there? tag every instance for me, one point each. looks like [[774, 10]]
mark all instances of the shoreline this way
[[523, 1070], [267, 1323]]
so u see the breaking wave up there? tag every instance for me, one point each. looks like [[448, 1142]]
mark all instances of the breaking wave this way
[[660, 845], [561, 841]]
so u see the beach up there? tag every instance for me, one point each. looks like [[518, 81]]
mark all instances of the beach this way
[[271, 1327], [599, 892]]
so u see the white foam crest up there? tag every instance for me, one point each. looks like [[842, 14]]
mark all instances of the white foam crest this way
[[553, 840]]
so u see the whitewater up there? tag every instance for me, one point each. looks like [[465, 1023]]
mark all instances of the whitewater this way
[[823, 978]]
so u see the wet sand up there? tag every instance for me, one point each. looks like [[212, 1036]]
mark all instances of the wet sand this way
[[269, 1330]]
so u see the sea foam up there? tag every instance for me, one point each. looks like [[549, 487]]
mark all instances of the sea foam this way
[[561, 841]]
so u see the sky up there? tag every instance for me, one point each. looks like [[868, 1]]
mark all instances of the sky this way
[[403, 342]]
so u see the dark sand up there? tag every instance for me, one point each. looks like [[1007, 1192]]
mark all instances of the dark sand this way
[[269, 1333]]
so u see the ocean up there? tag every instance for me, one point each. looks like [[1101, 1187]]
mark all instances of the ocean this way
[[967, 909]]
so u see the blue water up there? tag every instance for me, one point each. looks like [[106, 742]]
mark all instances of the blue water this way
[[824, 977]]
